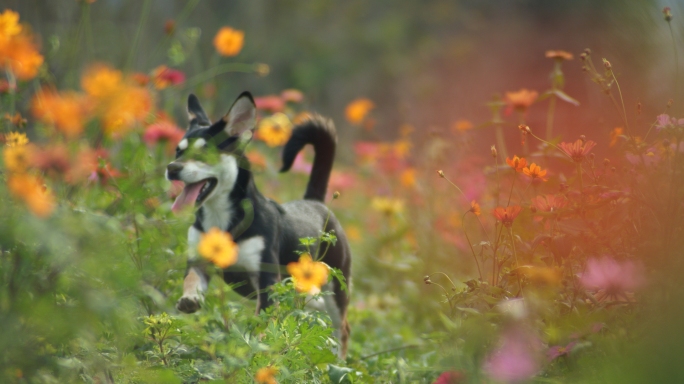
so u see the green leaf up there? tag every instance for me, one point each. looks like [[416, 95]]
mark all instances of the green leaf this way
[[340, 375], [565, 97]]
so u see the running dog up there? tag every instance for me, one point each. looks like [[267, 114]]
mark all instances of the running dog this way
[[267, 233]]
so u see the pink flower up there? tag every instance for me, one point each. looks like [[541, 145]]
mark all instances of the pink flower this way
[[292, 95], [664, 121], [612, 277], [164, 76], [450, 377], [558, 351], [271, 103], [300, 164], [163, 131], [514, 361]]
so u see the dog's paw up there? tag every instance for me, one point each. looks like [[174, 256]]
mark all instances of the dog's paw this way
[[189, 304]]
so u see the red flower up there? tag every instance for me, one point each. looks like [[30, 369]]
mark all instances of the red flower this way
[[450, 377], [163, 131], [164, 76], [271, 103], [577, 150], [507, 215], [549, 203]]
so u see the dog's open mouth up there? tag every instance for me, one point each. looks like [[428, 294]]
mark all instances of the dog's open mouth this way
[[194, 193]]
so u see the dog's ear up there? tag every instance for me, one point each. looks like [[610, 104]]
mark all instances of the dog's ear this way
[[242, 115], [196, 114]]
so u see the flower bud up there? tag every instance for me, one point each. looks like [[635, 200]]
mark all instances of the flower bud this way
[[336, 195], [583, 138], [667, 14], [524, 128], [262, 69], [440, 173], [606, 64], [606, 162], [426, 279], [639, 108], [583, 56], [669, 103], [494, 153], [587, 51]]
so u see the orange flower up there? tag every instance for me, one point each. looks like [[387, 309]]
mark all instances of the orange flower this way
[[401, 148], [615, 135], [309, 276], [16, 158], [67, 111], [559, 55], [549, 203], [218, 247], [517, 163], [257, 161], [84, 165], [408, 177], [577, 150], [9, 25], [31, 190], [16, 120], [266, 375], [462, 126], [357, 110], [520, 100], [101, 81], [229, 41], [535, 172], [475, 208], [18, 50], [275, 130], [507, 215]]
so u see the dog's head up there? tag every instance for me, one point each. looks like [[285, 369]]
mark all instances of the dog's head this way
[[208, 157]]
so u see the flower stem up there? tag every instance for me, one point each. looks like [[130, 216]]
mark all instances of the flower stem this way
[[624, 111], [676, 79], [500, 141], [549, 117], [471, 246], [515, 256]]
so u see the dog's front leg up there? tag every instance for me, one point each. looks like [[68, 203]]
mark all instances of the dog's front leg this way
[[196, 277], [266, 280]]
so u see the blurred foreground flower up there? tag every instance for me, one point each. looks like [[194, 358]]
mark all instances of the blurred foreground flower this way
[[549, 203], [615, 135], [164, 76], [67, 111], [387, 206], [612, 278], [308, 275], [558, 350], [577, 150], [16, 139], [274, 130], [271, 103], [266, 375], [16, 158], [462, 126], [521, 100], [292, 95], [229, 41], [514, 360], [475, 208], [165, 132], [357, 110], [507, 215], [31, 190], [18, 49], [451, 377], [218, 247]]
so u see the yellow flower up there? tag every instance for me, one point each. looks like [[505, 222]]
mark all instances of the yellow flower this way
[[408, 177], [18, 49], [401, 148], [218, 247], [16, 158], [266, 375], [31, 190], [309, 276], [16, 139], [475, 208], [275, 130], [462, 126], [229, 41], [67, 111], [387, 205], [357, 110], [353, 233], [9, 24]]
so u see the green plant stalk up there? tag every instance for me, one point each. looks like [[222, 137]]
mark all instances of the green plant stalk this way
[[676, 79], [500, 141], [471, 245], [144, 14], [515, 256], [549, 117], [624, 111]]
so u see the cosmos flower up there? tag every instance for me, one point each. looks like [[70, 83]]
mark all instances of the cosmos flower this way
[[308, 275], [292, 95], [218, 247], [387, 206], [514, 360], [451, 377], [407, 178], [475, 208], [507, 215], [229, 41], [558, 55], [549, 203], [577, 150], [615, 135], [274, 130], [18, 49], [517, 163], [614, 278], [163, 131], [520, 100], [462, 126], [16, 158], [357, 109], [535, 172], [558, 350]]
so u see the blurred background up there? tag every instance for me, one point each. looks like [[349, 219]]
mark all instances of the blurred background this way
[[427, 63]]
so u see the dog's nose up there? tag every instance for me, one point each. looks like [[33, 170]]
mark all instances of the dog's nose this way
[[173, 171]]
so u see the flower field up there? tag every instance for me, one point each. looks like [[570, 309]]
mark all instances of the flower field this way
[[540, 257]]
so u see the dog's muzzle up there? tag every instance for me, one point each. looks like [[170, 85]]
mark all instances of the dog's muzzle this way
[[173, 171]]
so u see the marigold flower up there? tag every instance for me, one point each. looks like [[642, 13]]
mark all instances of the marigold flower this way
[[615, 279], [615, 135], [462, 126], [357, 110], [266, 375], [308, 275], [387, 205], [101, 81], [475, 208], [507, 215], [271, 103], [164, 76], [275, 130], [127, 108], [18, 50], [67, 111], [9, 24], [549, 203], [559, 55], [229, 41], [535, 172], [30, 189], [218, 247], [520, 100], [577, 150], [408, 177], [517, 163], [16, 139], [16, 158]]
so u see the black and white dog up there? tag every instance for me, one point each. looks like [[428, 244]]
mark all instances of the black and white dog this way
[[267, 233]]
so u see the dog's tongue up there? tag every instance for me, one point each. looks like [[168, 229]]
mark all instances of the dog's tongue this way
[[188, 196]]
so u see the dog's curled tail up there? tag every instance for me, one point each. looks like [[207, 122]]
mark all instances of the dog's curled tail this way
[[319, 132]]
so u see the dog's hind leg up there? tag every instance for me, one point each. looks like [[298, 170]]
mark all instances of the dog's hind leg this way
[[196, 277]]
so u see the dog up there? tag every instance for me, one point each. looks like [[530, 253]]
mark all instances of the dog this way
[[267, 233]]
